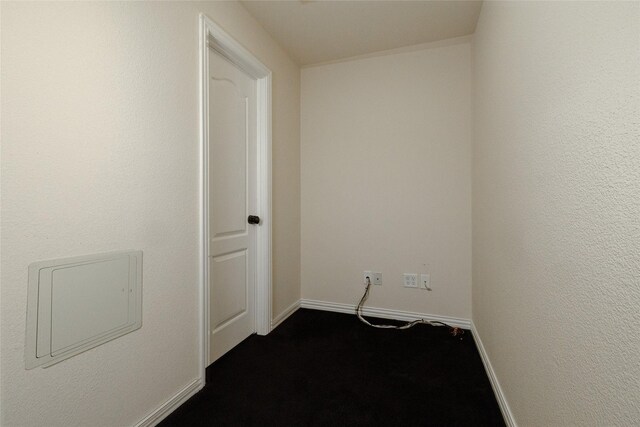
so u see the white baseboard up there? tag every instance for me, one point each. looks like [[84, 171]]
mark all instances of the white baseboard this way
[[384, 313], [495, 384], [286, 313], [170, 405]]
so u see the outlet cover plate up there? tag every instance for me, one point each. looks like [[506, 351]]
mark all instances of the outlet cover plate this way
[[410, 280], [425, 281], [377, 278], [366, 274]]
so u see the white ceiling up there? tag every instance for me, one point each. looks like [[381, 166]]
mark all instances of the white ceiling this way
[[321, 31]]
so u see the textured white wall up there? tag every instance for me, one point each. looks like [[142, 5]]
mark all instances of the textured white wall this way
[[556, 208], [99, 153], [386, 165]]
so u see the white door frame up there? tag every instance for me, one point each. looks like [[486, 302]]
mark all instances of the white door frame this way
[[211, 35]]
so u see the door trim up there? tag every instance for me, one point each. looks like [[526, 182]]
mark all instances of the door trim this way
[[212, 35]]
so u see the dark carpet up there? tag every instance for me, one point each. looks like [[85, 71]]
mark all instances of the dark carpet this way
[[328, 369]]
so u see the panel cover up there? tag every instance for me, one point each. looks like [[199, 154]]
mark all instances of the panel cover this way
[[77, 303]]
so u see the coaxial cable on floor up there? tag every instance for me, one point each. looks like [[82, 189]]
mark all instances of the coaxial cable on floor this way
[[454, 330]]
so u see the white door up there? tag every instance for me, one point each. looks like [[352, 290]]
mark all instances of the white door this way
[[232, 198]]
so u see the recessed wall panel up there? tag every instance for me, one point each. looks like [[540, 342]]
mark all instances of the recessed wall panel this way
[[228, 159], [229, 289], [77, 303], [87, 301]]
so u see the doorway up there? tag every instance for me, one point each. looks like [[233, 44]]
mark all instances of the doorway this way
[[235, 217]]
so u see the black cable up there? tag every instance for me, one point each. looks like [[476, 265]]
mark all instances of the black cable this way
[[454, 331]]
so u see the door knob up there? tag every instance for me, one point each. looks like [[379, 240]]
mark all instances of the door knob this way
[[254, 219]]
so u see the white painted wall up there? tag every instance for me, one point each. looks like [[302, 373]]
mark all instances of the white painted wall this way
[[99, 153], [386, 164], [556, 208]]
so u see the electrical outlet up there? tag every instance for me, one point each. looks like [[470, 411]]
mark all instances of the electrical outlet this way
[[425, 281], [368, 274], [377, 278], [410, 280]]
